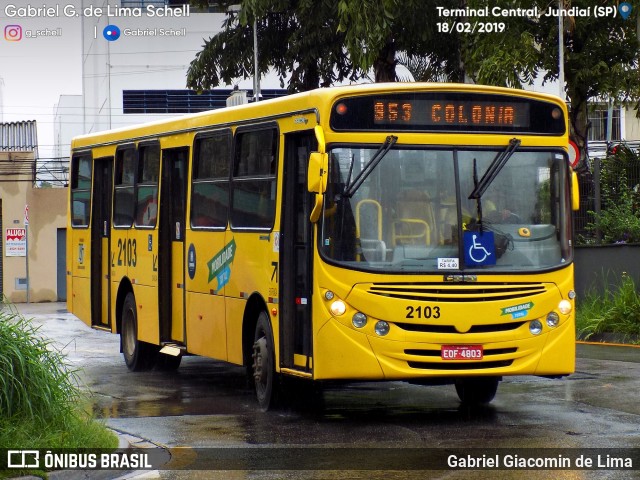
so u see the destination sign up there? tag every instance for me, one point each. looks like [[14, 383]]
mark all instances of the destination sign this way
[[448, 111]]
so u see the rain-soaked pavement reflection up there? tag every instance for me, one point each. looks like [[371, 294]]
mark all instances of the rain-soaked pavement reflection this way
[[209, 404]]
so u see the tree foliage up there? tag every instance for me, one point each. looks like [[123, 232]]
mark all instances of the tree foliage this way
[[601, 55], [299, 38], [319, 43]]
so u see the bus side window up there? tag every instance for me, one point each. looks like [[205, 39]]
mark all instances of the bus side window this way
[[80, 190], [147, 186], [254, 179], [210, 189], [123, 197]]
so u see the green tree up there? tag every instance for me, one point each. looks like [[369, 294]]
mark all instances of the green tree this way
[[601, 55], [323, 42], [295, 37], [328, 41], [376, 31]]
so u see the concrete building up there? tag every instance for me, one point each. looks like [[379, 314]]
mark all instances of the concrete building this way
[[38, 246]]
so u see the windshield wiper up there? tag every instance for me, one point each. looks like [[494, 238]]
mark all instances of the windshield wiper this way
[[351, 188], [479, 187], [494, 169]]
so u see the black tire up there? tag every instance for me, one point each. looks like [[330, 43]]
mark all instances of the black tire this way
[[168, 363], [263, 367], [477, 390], [138, 356]]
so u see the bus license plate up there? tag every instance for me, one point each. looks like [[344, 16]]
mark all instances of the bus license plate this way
[[461, 352]]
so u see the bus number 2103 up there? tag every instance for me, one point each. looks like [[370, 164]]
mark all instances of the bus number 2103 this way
[[127, 253], [423, 312]]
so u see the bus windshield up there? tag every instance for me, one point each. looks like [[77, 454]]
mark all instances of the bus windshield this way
[[413, 211]]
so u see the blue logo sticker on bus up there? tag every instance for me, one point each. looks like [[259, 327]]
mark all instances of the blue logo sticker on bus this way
[[191, 261], [479, 248]]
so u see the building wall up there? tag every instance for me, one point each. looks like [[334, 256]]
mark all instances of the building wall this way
[[47, 213], [631, 124]]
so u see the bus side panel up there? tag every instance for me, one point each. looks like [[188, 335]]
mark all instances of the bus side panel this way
[[206, 331], [79, 257], [205, 310], [235, 313], [254, 270], [141, 259], [147, 303]]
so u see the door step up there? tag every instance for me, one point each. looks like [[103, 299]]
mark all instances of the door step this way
[[172, 349]]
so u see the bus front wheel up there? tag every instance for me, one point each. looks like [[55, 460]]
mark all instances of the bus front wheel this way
[[138, 356], [477, 390], [263, 367]]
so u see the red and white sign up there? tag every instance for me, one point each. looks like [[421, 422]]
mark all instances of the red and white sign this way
[[16, 242], [574, 154]]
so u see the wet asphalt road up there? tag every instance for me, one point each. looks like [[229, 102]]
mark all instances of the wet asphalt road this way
[[208, 404]]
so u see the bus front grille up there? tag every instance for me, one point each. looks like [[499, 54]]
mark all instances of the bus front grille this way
[[465, 292], [430, 328], [460, 366]]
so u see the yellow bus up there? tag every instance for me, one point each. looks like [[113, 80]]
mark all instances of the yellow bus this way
[[415, 232]]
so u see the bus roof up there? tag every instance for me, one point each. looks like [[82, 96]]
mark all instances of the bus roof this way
[[319, 101]]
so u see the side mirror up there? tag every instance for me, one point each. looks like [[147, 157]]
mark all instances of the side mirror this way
[[575, 192], [317, 181], [317, 172]]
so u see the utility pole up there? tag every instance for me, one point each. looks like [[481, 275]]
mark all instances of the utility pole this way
[[256, 74]]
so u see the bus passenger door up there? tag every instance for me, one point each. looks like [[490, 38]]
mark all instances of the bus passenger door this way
[[171, 253], [100, 243], [296, 256]]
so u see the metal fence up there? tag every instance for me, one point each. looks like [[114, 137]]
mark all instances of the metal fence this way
[[601, 185]]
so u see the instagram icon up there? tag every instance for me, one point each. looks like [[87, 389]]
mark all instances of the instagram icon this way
[[13, 33]]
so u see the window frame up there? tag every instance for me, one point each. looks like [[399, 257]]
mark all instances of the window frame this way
[[220, 133], [75, 172], [139, 164], [272, 176], [119, 170]]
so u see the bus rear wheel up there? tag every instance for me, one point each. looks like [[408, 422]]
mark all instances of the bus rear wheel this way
[[138, 356], [477, 390], [263, 368]]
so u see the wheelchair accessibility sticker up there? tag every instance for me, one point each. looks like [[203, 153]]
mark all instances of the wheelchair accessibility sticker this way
[[479, 248]]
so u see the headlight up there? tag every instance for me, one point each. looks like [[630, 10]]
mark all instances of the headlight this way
[[565, 307], [535, 327], [328, 295], [338, 308], [553, 319], [359, 320], [382, 328]]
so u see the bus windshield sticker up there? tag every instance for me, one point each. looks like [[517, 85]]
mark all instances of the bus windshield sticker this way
[[479, 248], [518, 311], [448, 263], [220, 265]]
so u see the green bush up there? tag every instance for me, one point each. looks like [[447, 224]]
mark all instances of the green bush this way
[[39, 394], [617, 311], [619, 217]]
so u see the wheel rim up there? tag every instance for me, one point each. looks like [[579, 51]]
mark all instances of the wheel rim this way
[[261, 366]]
